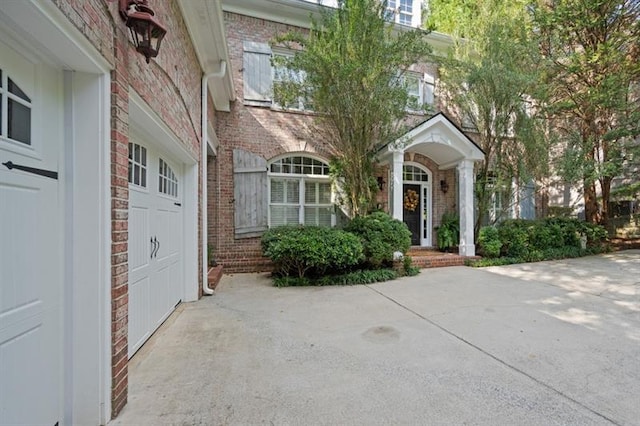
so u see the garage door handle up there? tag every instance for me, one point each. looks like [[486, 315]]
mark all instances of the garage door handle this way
[[155, 246], [46, 173]]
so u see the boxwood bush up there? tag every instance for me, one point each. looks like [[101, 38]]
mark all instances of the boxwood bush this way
[[381, 236], [518, 241], [311, 250]]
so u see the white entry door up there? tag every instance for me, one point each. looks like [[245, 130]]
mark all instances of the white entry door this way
[[31, 289], [155, 241]]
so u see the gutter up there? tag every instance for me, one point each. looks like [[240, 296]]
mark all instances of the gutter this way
[[205, 141]]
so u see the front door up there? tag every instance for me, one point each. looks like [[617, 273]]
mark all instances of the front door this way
[[411, 210]]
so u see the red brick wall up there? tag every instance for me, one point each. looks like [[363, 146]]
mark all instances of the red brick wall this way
[[268, 133], [259, 130], [170, 85]]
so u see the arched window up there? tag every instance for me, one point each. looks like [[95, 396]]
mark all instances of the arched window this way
[[414, 174], [299, 192]]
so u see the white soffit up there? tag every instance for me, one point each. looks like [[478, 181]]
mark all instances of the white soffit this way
[[206, 27]]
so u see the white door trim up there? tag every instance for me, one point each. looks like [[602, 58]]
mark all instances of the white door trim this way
[[428, 186]]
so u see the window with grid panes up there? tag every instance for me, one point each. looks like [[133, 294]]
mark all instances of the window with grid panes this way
[[300, 192]]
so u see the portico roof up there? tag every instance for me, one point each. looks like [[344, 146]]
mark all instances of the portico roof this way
[[439, 139]]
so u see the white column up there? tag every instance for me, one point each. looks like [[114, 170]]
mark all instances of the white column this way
[[396, 173], [465, 188]]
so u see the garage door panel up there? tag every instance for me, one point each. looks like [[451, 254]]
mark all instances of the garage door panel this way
[[161, 223], [139, 241], [16, 386], [140, 317]]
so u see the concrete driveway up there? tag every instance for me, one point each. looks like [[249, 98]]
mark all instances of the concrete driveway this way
[[533, 344]]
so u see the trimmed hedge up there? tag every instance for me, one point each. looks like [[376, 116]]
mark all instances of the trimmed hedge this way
[[519, 241], [381, 236], [311, 250]]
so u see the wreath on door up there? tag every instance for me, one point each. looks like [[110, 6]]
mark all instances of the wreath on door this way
[[411, 200]]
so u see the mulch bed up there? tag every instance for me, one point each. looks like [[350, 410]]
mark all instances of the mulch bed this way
[[625, 243]]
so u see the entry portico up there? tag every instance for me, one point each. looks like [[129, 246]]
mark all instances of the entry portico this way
[[447, 148]]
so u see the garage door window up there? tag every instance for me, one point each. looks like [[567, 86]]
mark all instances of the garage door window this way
[[137, 165], [15, 111], [167, 180]]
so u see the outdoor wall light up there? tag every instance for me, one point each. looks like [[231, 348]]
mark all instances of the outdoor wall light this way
[[380, 183], [444, 186], [146, 32]]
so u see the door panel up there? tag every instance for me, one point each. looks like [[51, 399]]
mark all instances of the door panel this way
[[31, 289], [412, 217], [155, 246]]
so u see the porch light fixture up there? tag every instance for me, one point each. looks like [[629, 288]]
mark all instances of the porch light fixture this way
[[444, 186], [146, 32], [380, 183]]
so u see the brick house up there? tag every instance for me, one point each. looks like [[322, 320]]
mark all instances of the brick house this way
[[102, 188], [271, 166]]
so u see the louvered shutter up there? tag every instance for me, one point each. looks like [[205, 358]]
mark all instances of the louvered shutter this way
[[257, 72], [250, 194]]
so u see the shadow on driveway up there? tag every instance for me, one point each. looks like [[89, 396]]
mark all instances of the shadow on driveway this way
[[533, 344]]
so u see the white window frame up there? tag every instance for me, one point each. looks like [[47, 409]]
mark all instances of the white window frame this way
[[401, 12], [143, 166], [294, 75], [426, 90], [301, 178], [5, 97], [168, 184]]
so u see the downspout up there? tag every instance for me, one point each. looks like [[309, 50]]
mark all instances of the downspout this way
[[205, 140]]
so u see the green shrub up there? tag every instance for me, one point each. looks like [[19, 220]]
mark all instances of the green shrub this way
[[514, 237], [521, 241], [489, 242], [350, 278], [448, 232], [381, 236], [310, 250]]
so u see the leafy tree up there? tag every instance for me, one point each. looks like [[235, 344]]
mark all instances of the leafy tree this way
[[488, 78], [591, 65], [353, 61]]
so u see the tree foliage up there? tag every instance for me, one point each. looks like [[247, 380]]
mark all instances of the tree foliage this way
[[353, 61], [489, 78], [591, 70]]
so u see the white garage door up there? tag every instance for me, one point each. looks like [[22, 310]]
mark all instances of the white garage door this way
[[155, 241], [31, 291]]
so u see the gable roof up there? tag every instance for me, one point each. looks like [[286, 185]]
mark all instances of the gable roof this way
[[440, 139]]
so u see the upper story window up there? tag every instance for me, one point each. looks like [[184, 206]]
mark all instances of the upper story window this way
[[137, 165], [420, 88], [300, 192], [400, 11], [15, 111], [167, 180], [282, 76]]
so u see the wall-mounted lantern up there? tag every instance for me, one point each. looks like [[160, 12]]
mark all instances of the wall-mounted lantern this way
[[444, 186], [381, 183], [146, 32]]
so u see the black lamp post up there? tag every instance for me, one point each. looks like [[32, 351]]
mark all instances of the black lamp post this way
[[146, 32]]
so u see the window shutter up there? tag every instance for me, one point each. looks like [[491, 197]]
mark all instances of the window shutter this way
[[429, 89], [257, 72], [250, 194]]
